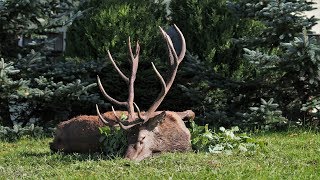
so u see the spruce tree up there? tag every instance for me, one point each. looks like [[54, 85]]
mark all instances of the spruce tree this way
[[35, 85], [226, 89], [285, 57], [282, 20]]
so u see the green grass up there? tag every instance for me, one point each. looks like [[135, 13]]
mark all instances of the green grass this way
[[292, 155]]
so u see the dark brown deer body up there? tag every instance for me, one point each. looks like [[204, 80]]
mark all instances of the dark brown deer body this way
[[81, 134]]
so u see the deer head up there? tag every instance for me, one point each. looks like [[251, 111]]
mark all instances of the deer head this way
[[152, 131]]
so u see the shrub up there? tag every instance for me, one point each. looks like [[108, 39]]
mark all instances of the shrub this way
[[35, 85], [211, 28], [11, 89], [266, 116], [114, 141], [225, 82], [293, 74], [107, 27], [18, 130], [53, 91], [111, 22], [226, 141]]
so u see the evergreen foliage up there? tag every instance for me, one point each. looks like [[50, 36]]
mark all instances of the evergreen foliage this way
[[294, 74], [61, 89], [282, 20], [108, 25], [18, 130], [227, 85], [239, 53], [10, 89], [32, 19], [36, 86], [285, 58], [211, 20], [265, 116], [278, 69]]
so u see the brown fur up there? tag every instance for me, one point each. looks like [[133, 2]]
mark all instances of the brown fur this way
[[81, 134]]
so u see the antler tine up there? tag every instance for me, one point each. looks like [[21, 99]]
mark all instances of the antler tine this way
[[119, 120], [171, 58], [101, 117], [130, 50], [169, 43], [163, 83], [112, 100], [124, 77], [125, 127], [137, 47], [183, 44], [139, 113]]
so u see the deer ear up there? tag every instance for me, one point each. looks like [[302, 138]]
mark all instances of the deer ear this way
[[156, 120]]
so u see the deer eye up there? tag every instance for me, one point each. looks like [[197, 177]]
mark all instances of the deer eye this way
[[141, 140]]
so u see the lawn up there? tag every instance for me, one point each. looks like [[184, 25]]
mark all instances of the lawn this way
[[289, 155]]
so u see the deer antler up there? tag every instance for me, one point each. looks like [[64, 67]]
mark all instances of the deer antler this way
[[174, 61], [134, 61]]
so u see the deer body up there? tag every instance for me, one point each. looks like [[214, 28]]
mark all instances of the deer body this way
[[81, 134]]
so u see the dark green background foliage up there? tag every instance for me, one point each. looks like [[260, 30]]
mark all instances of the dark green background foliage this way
[[213, 21], [295, 73], [31, 19], [211, 29], [34, 84], [239, 52], [282, 19], [108, 25], [286, 59], [228, 84], [215, 33]]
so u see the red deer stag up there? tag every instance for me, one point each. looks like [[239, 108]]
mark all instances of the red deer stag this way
[[81, 134], [151, 132]]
